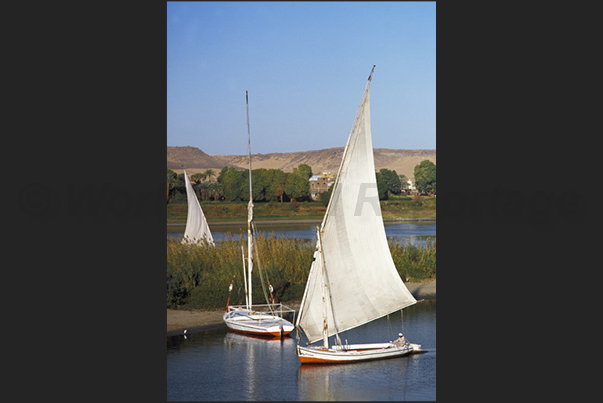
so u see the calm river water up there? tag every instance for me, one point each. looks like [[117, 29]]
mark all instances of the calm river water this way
[[409, 232], [221, 365]]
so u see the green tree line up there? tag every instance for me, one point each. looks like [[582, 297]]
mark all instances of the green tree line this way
[[232, 185], [425, 177]]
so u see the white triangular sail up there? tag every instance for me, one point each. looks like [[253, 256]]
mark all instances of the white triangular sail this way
[[196, 225], [363, 283]]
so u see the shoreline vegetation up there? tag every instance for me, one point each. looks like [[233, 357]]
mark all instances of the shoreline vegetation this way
[[198, 277], [237, 221], [395, 209]]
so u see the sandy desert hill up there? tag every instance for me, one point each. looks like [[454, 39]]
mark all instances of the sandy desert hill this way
[[195, 160], [192, 158]]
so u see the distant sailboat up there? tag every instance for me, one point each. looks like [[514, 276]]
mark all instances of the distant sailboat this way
[[259, 319], [197, 231], [353, 279]]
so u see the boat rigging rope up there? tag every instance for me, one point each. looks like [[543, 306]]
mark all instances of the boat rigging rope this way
[[391, 330], [331, 304], [261, 271]]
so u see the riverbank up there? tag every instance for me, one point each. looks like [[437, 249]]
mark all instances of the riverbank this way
[[397, 208], [295, 221], [199, 321]]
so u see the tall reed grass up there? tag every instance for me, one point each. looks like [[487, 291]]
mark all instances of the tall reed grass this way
[[414, 262], [199, 276]]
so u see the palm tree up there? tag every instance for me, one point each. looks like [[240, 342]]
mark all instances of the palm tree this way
[[208, 174]]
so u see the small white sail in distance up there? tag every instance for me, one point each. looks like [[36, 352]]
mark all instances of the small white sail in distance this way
[[197, 229]]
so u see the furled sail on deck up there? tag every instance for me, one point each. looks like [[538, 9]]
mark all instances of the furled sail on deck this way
[[363, 283], [196, 224]]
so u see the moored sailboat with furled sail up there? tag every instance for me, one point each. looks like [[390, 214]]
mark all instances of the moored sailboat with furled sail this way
[[265, 319]]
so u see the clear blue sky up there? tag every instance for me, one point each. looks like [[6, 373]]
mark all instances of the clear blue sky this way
[[305, 65]]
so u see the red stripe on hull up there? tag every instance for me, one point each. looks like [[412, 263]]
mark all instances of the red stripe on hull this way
[[312, 360], [267, 334]]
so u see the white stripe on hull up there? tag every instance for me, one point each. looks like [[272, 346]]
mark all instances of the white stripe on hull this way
[[257, 324], [354, 353]]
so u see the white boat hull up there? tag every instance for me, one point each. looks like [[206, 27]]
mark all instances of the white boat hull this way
[[257, 323], [355, 353]]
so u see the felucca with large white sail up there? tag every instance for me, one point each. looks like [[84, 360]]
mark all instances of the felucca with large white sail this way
[[353, 279], [197, 231], [262, 319]]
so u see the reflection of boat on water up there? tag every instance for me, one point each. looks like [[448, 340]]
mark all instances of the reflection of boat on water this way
[[319, 382], [259, 364], [353, 279], [266, 319], [250, 339]]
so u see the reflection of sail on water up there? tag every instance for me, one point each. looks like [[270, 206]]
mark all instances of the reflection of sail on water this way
[[352, 382], [314, 383]]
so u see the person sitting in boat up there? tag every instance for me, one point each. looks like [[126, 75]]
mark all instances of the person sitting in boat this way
[[400, 341]]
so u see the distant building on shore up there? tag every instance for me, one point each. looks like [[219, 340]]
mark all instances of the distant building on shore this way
[[320, 183], [411, 190]]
